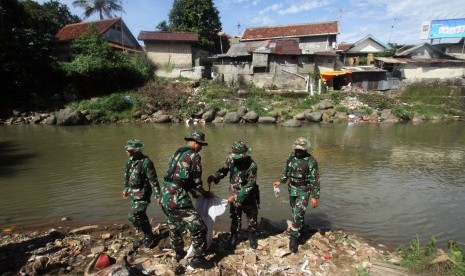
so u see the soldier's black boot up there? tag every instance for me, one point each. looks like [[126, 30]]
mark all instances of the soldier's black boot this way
[[253, 240], [293, 244], [149, 237], [180, 254], [200, 262], [233, 240]]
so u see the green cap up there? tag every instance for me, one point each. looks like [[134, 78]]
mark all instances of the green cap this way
[[198, 137], [239, 150], [134, 145], [301, 144]]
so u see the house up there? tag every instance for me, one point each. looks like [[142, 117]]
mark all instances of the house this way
[[361, 52], [175, 53], [279, 56], [453, 48], [423, 61], [112, 30]]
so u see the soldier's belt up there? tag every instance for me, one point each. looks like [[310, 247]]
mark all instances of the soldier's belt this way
[[299, 183]]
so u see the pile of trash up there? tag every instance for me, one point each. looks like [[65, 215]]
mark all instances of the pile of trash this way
[[114, 250]]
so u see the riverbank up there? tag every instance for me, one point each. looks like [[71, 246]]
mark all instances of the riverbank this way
[[65, 249], [210, 102]]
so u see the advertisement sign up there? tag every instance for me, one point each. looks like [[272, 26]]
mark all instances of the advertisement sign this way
[[425, 26], [447, 28]]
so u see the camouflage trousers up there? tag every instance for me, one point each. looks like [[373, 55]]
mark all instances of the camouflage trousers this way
[[138, 215], [182, 219], [299, 205], [251, 212]]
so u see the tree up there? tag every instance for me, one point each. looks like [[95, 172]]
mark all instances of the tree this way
[[103, 7], [163, 26], [199, 16], [27, 50]]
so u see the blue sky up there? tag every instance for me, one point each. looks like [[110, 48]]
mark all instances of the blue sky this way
[[389, 21]]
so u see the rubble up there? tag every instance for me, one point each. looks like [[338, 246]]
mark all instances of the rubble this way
[[77, 250]]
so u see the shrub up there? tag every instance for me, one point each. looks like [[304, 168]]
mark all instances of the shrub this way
[[415, 257], [402, 112], [377, 101], [336, 97]]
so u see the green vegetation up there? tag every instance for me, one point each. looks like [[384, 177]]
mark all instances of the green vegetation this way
[[97, 69], [102, 7], [109, 108], [430, 100], [200, 16], [362, 271], [429, 259]]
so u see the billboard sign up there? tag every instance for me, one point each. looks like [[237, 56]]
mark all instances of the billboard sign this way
[[425, 26], [447, 28]]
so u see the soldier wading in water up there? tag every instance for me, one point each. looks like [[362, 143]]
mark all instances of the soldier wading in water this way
[[140, 182], [184, 176], [243, 189], [304, 184]]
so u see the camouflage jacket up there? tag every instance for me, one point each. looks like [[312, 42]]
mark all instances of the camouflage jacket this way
[[183, 175], [303, 175], [242, 179], [140, 176]]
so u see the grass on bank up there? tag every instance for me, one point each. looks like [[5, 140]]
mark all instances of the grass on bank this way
[[421, 259], [171, 97]]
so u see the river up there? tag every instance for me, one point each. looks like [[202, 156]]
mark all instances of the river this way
[[389, 183]]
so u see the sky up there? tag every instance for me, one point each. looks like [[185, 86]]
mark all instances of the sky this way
[[394, 21]]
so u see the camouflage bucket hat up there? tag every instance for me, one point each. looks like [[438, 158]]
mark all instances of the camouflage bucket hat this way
[[198, 137], [301, 144], [239, 150], [134, 145]]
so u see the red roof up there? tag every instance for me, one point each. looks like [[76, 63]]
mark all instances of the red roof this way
[[168, 36], [298, 30], [73, 31]]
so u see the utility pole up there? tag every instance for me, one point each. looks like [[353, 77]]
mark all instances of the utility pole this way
[[238, 29]]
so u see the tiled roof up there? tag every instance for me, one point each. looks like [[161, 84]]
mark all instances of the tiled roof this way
[[73, 31], [277, 47], [344, 46], [297, 30], [168, 36]]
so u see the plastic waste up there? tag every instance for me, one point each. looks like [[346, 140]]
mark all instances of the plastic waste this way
[[209, 209]]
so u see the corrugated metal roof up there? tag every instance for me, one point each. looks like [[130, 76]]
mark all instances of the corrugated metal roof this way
[[73, 31], [388, 60], [277, 47], [168, 36], [363, 69], [286, 31]]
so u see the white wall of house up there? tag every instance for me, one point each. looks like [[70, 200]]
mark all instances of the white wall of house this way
[[194, 73], [412, 71], [180, 55], [312, 44], [367, 46]]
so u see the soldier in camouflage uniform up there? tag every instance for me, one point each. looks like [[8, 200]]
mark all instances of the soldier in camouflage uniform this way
[[184, 176], [245, 195], [304, 184], [140, 182]]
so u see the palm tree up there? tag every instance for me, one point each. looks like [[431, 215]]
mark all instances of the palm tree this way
[[103, 7]]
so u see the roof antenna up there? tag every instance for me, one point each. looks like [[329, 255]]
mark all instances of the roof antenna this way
[[238, 29]]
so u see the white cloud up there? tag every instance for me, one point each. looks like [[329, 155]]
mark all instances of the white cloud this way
[[271, 8], [304, 6]]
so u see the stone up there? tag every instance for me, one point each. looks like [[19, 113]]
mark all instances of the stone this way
[[241, 111], [251, 117], [208, 116], [232, 117], [267, 120], [292, 123], [315, 116]]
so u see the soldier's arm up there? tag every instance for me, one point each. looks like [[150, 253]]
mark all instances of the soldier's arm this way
[[126, 177], [247, 188], [196, 170], [285, 175], [151, 173], [223, 171], [315, 180]]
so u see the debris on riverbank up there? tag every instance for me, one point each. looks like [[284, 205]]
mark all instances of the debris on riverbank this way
[[67, 250]]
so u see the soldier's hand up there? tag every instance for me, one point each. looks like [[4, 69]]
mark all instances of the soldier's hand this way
[[159, 200], [314, 202], [124, 195], [231, 199], [276, 184], [211, 179], [208, 194]]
